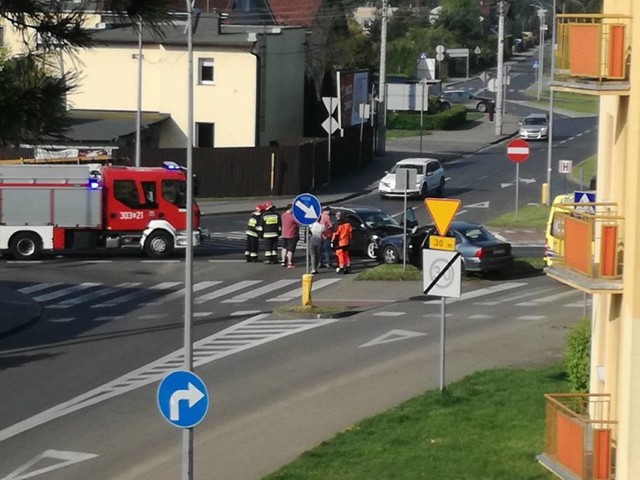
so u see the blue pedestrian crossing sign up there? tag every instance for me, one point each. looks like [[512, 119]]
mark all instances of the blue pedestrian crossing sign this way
[[182, 399], [587, 198], [536, 65], [306, 208]]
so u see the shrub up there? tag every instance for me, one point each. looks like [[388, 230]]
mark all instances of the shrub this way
[[440, 120], [578, 356]]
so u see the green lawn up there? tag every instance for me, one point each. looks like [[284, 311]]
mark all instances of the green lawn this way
[[529, 216], [488, 426]]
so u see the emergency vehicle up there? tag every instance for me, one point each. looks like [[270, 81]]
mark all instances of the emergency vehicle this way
[[62, 208]]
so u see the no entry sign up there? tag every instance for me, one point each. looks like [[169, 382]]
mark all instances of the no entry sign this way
[[517, 150]]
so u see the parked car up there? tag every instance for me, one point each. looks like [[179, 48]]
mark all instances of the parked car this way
[[429, 178], [369, 224], [480, 250], [449, 98], [534, 126]]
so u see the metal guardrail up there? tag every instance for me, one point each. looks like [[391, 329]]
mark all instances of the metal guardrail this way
[[593, 46], [579, 433]]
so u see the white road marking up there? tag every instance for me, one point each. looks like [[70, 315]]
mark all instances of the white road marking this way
[[37, 287], [94, 295], [65, 458], [388, 314], [241, 313], [202, 314], [547, 299], [481, 292], [480, 316], [65, 291], [62, 320], [180, 293], [293, 294], [257, 292], [139, 293], [392, 336], [225, 291], [235, 339], [531, 317]]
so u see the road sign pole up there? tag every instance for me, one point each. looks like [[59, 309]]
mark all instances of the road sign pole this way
[[443, 326], [517, 186], [404, 221], [329, 141], [308, 249]]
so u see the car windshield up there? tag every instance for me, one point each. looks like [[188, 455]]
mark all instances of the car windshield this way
[[535, 121], [378, 219], [418, 168], [477, 234]]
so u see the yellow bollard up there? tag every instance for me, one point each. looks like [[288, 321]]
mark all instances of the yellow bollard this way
[[545, 193], [307, 281]]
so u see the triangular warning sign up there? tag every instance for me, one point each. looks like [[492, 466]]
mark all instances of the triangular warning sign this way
[[442, 211]]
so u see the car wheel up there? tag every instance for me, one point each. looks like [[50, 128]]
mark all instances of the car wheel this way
[[390, 255], [26, 246], [481, 107], [445, 106], [372, 250], [159, 244], [440, 190], [424, 190]]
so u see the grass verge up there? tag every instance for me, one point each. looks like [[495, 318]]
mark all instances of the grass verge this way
[[390, 273], [585, 170], [574, 102], [490, 425]]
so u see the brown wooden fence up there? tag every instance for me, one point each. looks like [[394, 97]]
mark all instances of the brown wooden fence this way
[[302, 166]]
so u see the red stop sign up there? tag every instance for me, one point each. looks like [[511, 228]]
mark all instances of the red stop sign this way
[[517, 150]]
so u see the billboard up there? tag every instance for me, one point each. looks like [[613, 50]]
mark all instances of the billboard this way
[[353, 90]]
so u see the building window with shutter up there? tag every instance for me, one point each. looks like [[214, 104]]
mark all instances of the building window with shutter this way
[[205, 71], [205, 135]]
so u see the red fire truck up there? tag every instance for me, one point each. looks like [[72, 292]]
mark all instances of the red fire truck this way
[[58, 208]]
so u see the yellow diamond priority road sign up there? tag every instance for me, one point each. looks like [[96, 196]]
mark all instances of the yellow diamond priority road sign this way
[[442, 211]]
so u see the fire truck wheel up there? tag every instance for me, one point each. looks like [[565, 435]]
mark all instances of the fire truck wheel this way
[[26, 246], [159, 245]]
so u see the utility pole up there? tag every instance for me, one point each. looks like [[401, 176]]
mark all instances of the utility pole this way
[[382, 91], [139, 107], [500, 72], [543, 27], [550, 132]]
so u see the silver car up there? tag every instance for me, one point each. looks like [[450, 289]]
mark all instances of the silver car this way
[[534, 126], [449, 98]]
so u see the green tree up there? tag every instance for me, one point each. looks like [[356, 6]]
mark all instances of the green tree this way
[[32, 98], [461, 17]]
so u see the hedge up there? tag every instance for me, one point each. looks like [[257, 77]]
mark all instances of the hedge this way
[[443, 120], [578, 356]]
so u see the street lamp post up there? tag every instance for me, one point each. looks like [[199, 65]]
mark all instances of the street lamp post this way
[[543, 27], [551, 95], [423, 83]]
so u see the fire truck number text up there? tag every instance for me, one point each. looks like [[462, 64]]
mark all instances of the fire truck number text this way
[[131, 216]]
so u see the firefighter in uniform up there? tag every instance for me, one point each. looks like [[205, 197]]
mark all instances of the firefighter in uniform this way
[[271, 231], [254, 232]]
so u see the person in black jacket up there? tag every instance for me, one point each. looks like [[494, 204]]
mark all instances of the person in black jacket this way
[[271, 231], [254, 232]]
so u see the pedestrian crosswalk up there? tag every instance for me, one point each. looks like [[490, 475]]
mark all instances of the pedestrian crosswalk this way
[[101, 298], [235, 241]]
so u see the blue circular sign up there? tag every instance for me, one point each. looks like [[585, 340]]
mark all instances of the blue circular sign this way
[[183, 399], [306, 208]]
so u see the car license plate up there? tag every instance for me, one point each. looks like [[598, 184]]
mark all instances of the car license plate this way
[[499, 251]]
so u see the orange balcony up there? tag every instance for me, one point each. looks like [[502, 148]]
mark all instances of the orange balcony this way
[[587, 249], [593, 54], [579, 434]]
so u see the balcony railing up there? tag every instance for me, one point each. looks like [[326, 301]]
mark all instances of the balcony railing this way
[[579, 433], [593, 51], [588, 249]]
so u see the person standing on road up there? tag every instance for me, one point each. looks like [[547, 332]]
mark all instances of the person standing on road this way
[[253, 232], [271, 230], [290, 237], [325, 221], [340, 241], [315, 245]]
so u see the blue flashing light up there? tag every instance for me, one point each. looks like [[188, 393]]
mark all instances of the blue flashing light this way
[[171, 165], [94, 183]]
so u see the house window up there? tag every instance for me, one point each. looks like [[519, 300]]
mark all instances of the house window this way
[[205, 134], [205, 69]]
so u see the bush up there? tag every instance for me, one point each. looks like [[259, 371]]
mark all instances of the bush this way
[[440, 120], [578, 356]]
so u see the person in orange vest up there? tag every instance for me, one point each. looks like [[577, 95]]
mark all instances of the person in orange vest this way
[[340, 242]]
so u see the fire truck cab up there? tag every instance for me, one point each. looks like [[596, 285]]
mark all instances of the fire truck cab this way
[[60, 208]]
